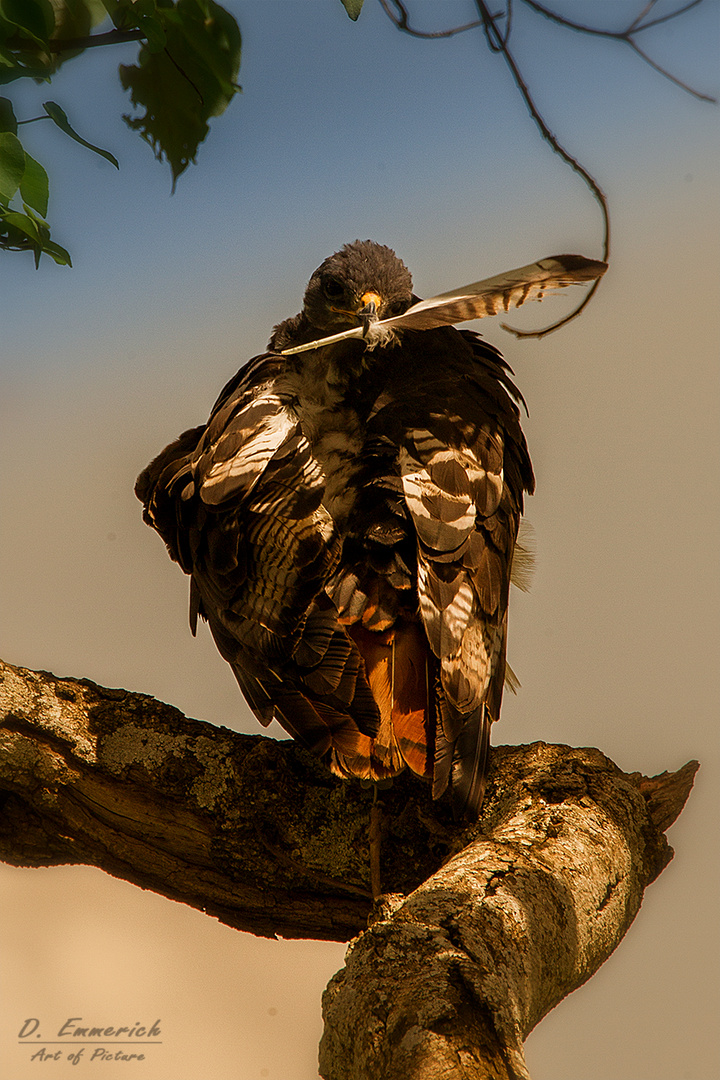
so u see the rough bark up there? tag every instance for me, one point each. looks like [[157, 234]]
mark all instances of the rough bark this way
[[450, 982], [483, 929]]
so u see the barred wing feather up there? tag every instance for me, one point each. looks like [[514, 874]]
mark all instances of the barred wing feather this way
[[500, 293], [477, 300]]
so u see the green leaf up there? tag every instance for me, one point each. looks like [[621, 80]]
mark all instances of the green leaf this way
[[121, 12], [353, 7], [28, 232], [22, 71], [145, 8], [57, 115], [33, 18], [59, 254], [24, 224], [75, 18], [8, 120], [12, 164], [191, 80], [154, 33], [34, 185], [43, 22]]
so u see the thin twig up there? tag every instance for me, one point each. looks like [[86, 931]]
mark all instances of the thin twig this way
[[633, 28], [491, 33], [112, 37], [635, 24], [626, 36], [401, 21], [508, 20], [497, 41], [664, 72], [670, 15]]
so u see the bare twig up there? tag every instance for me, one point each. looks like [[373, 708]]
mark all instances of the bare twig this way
[[494, 39], [663, 18], [498, 42], [666, 74], [93, 41], [400, 18], [626, 36]]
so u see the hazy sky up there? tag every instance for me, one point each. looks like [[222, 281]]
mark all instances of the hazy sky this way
[[343, 131]]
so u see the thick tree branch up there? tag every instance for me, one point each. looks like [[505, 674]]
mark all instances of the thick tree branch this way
[[450, 983], [481, 931], [253, 831]]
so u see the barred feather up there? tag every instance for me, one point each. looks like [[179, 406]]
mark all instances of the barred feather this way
[[476, 300]]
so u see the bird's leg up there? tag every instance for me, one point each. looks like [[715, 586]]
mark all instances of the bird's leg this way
[[374, 832]]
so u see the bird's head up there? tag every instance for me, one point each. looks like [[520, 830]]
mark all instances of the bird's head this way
[[359, 284]]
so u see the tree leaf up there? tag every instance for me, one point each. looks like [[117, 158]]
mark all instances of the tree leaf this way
[[75, 18], [34, 19], [191, 80], [22, 71], [34, 186], [12, 164], [58, 116], [353, 7], [156, 38], [59, 254], [27, 232], [24, 224], [122, 12], [8, 120]]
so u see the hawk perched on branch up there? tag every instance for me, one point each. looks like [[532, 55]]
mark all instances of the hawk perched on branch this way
[[349, 514]]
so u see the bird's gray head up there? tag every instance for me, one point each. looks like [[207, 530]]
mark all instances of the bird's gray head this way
[[363, 280]]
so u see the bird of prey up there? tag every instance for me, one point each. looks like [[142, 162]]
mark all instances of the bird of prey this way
[[349, 514]]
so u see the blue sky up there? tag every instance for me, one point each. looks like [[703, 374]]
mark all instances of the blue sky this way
[[350, 130]]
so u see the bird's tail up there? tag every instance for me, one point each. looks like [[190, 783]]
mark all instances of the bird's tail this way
[[396, 667], [462, 753]]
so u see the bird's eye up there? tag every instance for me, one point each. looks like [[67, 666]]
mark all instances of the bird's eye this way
[[396, 308], [332, 289]]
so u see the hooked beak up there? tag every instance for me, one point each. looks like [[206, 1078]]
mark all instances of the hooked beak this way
[[369, 311], [367, 314]]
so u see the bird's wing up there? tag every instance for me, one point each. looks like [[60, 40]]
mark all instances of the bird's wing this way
[[246, 501], [464, 467], [466, 526], [158, 488], [444, 469], [478, 299]]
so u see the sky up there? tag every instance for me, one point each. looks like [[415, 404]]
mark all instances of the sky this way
[[352, 130]]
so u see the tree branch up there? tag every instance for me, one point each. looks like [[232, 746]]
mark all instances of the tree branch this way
[[499, 43], [253, 831], [76, 44], [482, 931], [451, 982], [401, 19]]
